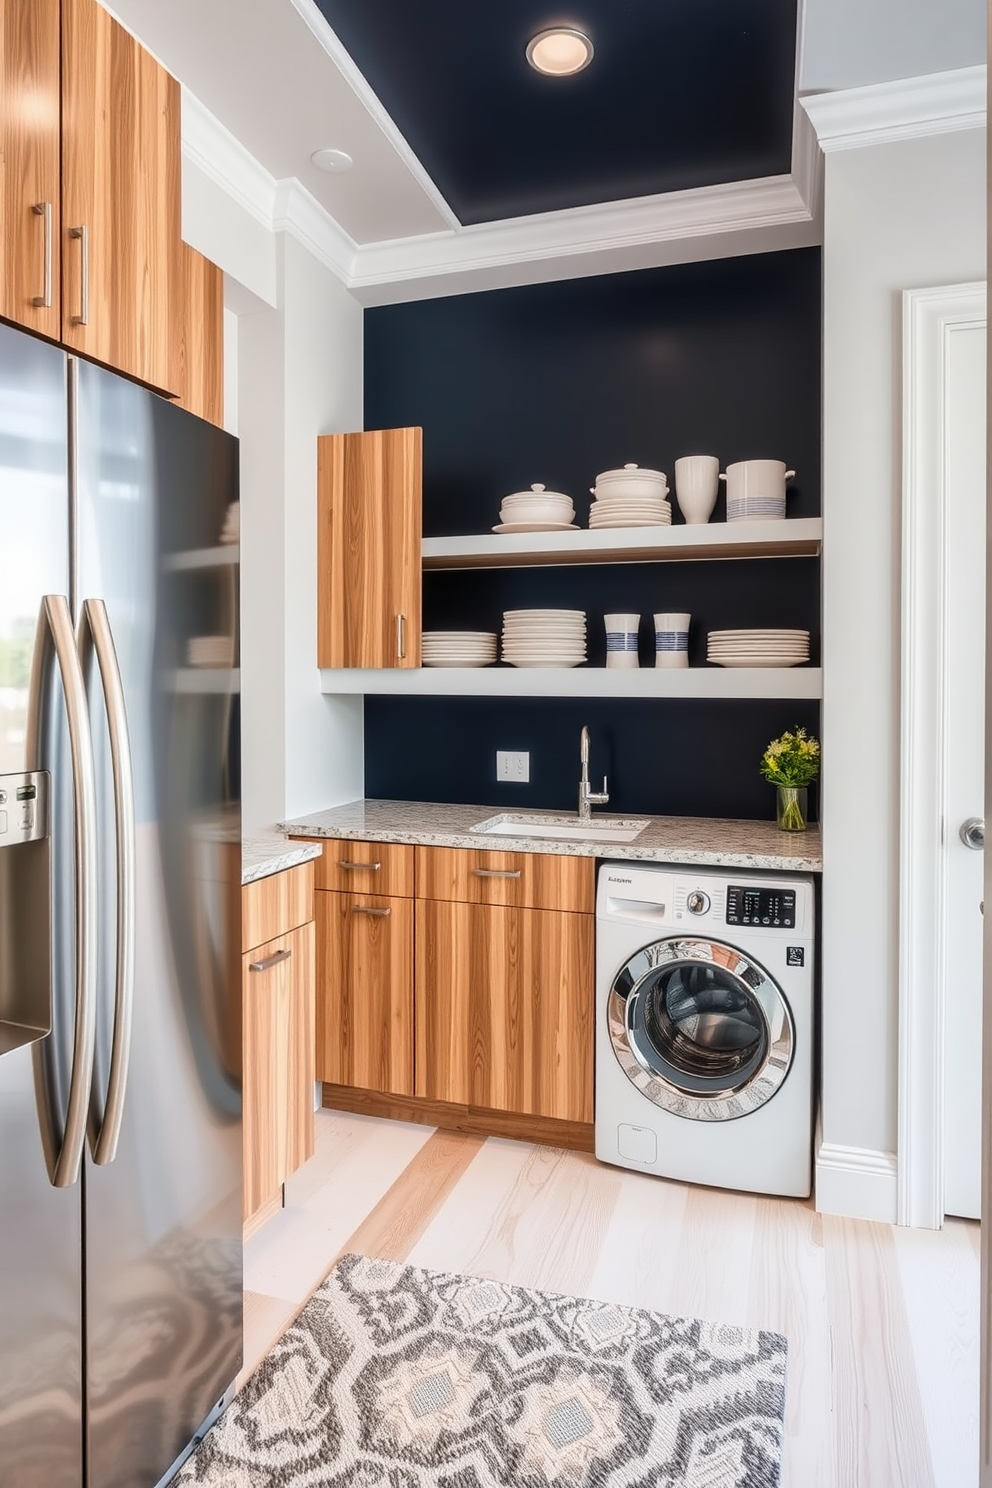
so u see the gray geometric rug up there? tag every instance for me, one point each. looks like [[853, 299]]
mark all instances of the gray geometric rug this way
[[405, 1378]]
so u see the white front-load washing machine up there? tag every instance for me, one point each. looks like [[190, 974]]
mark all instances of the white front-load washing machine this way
[[705, 1025]]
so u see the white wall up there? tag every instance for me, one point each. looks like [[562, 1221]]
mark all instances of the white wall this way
[[293, 370], [897, 216], [850, 43]]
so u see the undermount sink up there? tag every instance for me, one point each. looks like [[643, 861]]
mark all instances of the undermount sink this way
[[561, 828]]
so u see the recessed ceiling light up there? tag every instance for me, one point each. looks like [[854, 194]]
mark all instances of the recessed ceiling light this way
[[334, 162], [560, 51]]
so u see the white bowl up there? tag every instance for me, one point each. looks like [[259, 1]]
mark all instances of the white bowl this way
[[631, 480]]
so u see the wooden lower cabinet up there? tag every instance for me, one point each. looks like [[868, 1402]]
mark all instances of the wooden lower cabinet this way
[[504, 1008], [278, 993], [365, 981]]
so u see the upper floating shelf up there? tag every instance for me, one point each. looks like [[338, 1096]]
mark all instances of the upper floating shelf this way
[[220, 557], [796, 538]]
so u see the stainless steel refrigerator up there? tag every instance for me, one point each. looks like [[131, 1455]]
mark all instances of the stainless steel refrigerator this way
[[120, 1027]]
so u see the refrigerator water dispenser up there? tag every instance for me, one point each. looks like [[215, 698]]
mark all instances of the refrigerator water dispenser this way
[[25, 900]]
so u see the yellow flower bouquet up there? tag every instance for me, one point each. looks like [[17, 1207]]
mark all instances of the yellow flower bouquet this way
[[791, 762]]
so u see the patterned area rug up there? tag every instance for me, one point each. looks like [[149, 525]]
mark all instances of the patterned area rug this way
[[405, 1378]]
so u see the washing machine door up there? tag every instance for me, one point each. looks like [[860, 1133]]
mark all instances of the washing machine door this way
[[701, 1029]]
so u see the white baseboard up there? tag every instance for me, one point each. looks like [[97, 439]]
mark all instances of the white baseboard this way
[[856, 1182]]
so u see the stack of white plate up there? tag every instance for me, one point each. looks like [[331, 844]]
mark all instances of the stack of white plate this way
[[536, 510], [210, 651], [544, 638], [458, 648], [758, 648], [622, 512], [630, 497]]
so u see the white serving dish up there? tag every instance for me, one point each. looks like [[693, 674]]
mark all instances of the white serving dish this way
[[630, 480]]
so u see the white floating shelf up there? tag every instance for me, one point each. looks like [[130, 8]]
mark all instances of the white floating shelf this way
[[798, 538], [220, 557], [204, 680], [648, 682]]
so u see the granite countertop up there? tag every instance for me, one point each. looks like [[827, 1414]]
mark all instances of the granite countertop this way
[[264, 853], [666, 839]]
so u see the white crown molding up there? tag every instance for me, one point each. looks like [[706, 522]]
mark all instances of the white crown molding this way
[[937, 103], [297, 212], [280, 206], [321, 30], [710, 221], [742, 206], [208, 144]]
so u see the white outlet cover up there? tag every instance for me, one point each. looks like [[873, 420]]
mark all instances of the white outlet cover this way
[[513, 766]]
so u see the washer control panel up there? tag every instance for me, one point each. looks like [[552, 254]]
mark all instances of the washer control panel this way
[[775, 908]]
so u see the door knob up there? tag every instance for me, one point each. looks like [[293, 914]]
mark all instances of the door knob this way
[[972, 833]]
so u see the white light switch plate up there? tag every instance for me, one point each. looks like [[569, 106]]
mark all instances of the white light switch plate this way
[[514, 766]]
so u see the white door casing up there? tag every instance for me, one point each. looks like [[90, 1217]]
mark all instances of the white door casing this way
[[943, 399]]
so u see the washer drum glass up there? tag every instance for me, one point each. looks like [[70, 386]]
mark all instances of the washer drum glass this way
[[701, 1029]]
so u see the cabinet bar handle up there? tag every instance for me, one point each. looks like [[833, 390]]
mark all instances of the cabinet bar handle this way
[[83, 234], [401, 637], [358, 867], [44, 300], [269, 961], [369, 910], [497, 872]]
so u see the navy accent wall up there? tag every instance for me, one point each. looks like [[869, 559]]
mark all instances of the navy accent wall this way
[[555, 383], [665, 757]]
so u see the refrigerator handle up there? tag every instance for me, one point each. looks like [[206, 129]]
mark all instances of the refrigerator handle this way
[[95, 634], [55, 633]]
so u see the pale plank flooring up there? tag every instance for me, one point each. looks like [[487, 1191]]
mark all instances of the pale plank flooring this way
[[882, 1323]]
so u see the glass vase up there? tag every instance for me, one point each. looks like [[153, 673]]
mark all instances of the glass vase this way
[[790, 809]]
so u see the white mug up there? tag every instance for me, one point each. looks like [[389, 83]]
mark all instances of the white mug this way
[[621, 640], [697, 485], [671, 639]]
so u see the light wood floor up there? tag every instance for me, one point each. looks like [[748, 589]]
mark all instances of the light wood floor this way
[[882, 1322]]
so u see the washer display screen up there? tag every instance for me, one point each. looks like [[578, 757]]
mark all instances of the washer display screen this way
[[773, 907]]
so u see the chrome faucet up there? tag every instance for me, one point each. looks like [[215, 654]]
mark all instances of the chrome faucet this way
[[588, 798]]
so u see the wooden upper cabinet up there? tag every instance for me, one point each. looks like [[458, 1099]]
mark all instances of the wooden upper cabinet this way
[[29, 164], [198, 325], [369, 548], [120, 198]]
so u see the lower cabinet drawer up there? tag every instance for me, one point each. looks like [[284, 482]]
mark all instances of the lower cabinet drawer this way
[[365, 991], [522, 879], [278, 1005], [505, 1008]]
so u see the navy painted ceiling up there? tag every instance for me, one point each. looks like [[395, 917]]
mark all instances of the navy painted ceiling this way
[[680, 93]]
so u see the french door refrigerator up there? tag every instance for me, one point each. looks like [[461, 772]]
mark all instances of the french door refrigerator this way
[[120, 1026]]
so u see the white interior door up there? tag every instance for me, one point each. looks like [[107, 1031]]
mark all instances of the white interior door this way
[[964, 765], [941, 754]]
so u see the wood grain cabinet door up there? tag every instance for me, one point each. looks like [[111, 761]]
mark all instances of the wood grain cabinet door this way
[[120, 198], [504, 1015], [198, 325], [369, 560], [278, 1062], [365, 991], [30, 287]]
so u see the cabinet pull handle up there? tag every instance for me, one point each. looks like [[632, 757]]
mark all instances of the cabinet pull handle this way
[[44, 300], [368, 909], [358, 867], [401, 637], [497, 872], [83, 234], [269, 961]]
